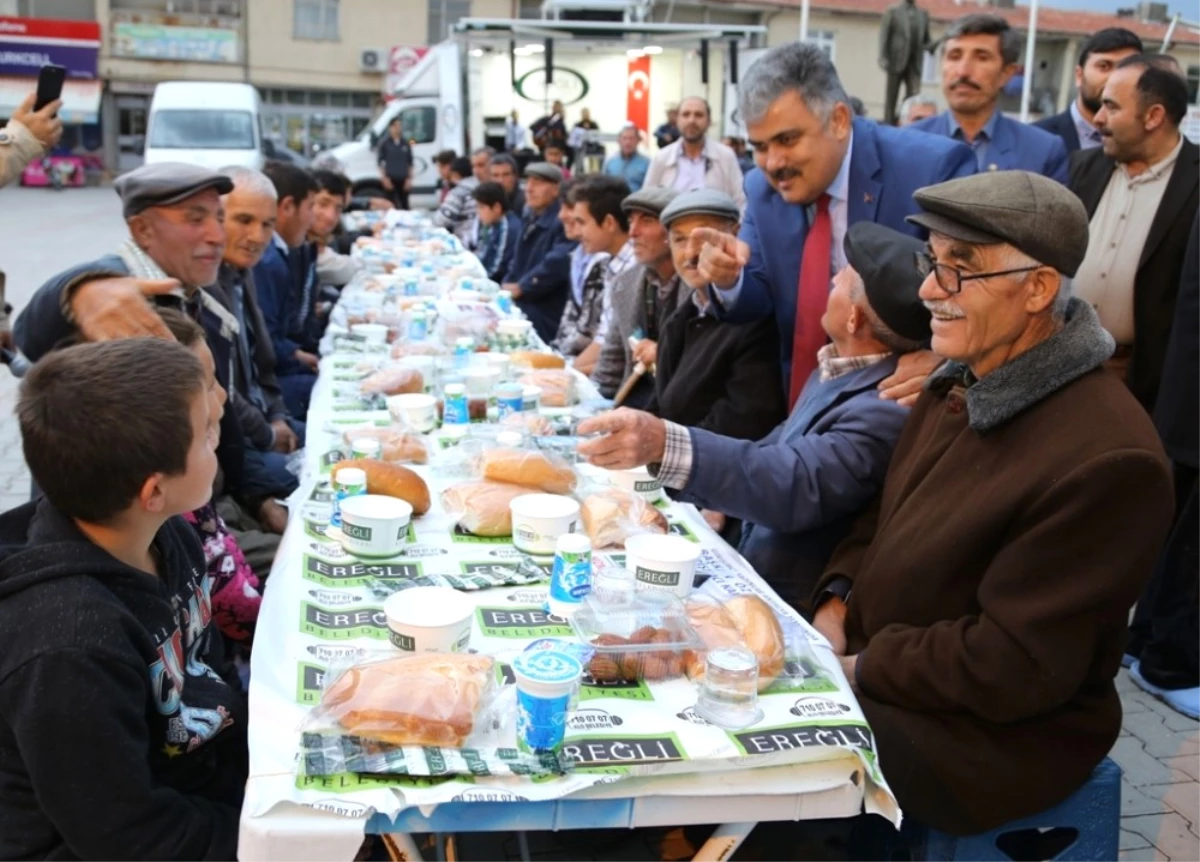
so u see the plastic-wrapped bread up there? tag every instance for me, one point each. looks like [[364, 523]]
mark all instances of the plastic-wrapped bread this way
[[527, 468], [613, 515], [558, 387], [393, 381], [391, 480], [396, 443], [533, 359], [425, 699], [744, 620], [482, 508]]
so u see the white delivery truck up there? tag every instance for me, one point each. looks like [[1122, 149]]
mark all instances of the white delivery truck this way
[[206, 123], [459, 94]]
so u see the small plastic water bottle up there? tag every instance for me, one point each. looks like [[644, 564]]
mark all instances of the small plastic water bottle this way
[[348, 482], [418, 330], [463, 348], [455, 413], [571, 577]]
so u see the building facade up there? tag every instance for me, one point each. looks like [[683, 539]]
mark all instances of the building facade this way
[[322, 65]]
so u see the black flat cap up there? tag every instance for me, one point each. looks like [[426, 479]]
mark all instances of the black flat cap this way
[[700, 202], [885, 259], [1034, 214], [650, 201], [166, 183], [545, 171]]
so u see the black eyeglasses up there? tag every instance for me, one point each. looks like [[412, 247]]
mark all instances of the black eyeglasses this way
[[951, 278]]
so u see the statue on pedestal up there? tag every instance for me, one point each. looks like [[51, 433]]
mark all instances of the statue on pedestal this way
[[903, 41]]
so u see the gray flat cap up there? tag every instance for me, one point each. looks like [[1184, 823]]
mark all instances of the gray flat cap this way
[[650, 201], [544, 171], [700, 202], [1028, 211], [166, 183]]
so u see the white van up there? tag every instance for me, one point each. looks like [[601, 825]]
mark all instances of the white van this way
[[206, 123]]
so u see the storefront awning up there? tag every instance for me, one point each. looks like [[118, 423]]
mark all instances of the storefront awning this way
[[81, 99]]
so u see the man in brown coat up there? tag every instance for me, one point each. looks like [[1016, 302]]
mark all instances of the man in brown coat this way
[[980, 605]]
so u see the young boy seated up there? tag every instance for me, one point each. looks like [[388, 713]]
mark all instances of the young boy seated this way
[[499, 229], [119, 736]]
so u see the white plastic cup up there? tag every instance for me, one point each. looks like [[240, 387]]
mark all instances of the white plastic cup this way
[[429, 619], [365, 447], [546, 681], [728, 694], [479, 381], [498, 361], [374, 333], [417, 410], [637, 481], [374, 525], [539, 519], [514, 328], [662, 562]]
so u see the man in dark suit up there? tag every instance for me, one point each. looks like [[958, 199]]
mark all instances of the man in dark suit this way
[[1099, 55], [903, 41], [1141, 190], [800, 487], [820, 170], [979, 58], [539, 276], [1163, 637]]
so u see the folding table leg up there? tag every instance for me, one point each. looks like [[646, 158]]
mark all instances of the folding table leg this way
[[722, 843]]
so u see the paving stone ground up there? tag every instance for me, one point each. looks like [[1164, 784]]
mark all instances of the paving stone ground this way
[[1159, 750]]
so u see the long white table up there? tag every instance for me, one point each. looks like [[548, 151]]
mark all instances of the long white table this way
[[811, 757]]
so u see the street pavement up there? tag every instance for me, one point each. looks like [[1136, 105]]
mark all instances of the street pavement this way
[[1159, 750]]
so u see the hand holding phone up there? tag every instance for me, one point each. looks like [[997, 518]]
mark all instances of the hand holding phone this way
[[50, 85]]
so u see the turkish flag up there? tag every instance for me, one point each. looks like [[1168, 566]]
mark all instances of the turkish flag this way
[[637, 93]]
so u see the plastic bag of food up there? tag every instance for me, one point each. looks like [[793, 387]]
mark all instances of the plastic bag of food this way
[[417, 348], [396, 380], [396, 443], [744, 620], [610, 516], [536, 360], [431, 699], [558, 386], [527, 468], [482, 508], [529, 422]]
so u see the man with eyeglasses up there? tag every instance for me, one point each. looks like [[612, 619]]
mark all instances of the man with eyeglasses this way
[[979, 605]]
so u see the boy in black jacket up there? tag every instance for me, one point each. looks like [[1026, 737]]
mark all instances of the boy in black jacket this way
[[119, 739]]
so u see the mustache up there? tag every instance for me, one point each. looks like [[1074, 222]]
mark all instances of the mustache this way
[[784, 174], [965, 82], [941, 308]]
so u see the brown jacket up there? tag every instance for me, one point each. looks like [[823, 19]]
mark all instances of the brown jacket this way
[[992, 581]]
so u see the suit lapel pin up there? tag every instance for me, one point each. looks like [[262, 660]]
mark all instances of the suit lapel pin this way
[[868, 197]]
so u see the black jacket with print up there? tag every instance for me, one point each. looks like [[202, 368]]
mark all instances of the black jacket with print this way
[[118, 737]]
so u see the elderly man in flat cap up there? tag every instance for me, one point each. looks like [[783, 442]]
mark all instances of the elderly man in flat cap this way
[[176, 241], [799, 489], [712, 374], [175, 247], [980, 604], [539, 276], [640, 299]]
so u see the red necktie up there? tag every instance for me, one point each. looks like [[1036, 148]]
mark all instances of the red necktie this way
[[811, 300]]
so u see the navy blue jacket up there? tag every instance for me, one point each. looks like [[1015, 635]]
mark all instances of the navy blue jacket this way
[[1015, 147], [1062, 125], [497, 260], [541, 265], [285, 286], [886, 166], [800, 489]]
